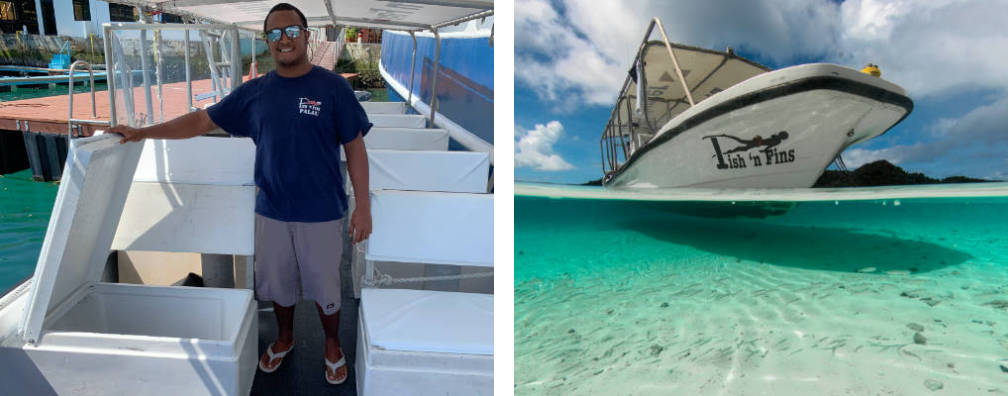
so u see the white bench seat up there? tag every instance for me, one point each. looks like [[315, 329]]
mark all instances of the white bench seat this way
[[422, 170], [423, 342], [404, 139], [384, 107], [446, 171], [428, 321], [398, 120]]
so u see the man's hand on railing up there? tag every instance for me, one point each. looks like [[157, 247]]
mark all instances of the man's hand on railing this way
[[128, 133]]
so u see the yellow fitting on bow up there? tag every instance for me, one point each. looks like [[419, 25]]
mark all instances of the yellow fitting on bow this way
[[872, 69]]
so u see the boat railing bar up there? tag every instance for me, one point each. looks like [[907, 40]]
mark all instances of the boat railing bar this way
[[94, 111], [146, 80], [109, 61], [612, 134], [628, 148], [437, 67], [188, 75], [79, 121], [215, 85], [254, 64], [340, 41], [412, 67], [236, 59], [602, 150], [607, 136], [208, 29], [159, 74]]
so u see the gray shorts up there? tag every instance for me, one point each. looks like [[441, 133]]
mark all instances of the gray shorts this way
[[289, 252]]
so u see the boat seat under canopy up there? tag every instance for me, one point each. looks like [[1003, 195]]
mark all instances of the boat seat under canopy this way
[[425, 342]]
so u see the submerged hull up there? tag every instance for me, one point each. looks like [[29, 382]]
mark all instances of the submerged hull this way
[[777, 130]]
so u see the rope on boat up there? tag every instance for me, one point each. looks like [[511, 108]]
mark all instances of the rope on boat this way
[[386, 279]]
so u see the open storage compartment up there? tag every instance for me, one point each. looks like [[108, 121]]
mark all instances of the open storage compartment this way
[[81, 336]]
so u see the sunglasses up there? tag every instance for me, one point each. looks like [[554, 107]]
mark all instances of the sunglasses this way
[[292, 32]]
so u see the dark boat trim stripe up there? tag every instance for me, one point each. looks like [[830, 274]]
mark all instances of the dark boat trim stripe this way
[[833, 83]]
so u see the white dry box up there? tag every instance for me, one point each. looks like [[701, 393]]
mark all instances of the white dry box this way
[[77, 335]]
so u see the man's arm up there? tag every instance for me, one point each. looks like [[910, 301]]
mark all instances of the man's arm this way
[[183, 127], [357, 168]]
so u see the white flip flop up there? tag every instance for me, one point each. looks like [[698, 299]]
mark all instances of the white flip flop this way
[[273, 356], [334, 367]]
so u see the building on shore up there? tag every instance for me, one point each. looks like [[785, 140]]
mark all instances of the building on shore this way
[[70, 18]]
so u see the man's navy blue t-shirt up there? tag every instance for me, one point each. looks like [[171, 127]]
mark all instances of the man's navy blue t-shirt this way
[[297, 125]]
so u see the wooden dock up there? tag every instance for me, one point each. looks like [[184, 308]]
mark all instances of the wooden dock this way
[[51, 114], [325, 55]]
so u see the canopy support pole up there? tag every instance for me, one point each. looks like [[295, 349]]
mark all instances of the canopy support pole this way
[[675, 62], [188, 75], [437, 64], [412, 68]]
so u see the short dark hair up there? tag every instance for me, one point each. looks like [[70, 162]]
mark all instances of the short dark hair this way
[[285, 7]]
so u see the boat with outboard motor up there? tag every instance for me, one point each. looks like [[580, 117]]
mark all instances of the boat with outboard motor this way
[[692, 117]]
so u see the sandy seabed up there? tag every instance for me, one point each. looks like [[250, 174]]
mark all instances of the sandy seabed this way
[[743, 328]]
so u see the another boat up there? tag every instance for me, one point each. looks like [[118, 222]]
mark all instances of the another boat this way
[[692, 117]]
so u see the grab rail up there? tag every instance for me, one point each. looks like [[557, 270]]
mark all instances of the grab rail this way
[[94, 112], [613, 138]]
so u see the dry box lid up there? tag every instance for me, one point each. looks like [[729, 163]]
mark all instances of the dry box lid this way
[[92, 192]]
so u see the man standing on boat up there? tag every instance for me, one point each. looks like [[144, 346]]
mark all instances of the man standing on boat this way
[[298, 116]]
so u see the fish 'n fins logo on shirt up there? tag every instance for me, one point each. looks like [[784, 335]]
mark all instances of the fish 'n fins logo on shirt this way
[[309, 106]]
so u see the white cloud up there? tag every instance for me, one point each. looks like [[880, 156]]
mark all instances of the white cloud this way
[[968, 145], [931, 48], [580, 55], [563, 63], [985, 124], [534, 148], [781, 30]]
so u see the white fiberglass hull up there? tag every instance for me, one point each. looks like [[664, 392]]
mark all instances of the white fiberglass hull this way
[[777, 130]]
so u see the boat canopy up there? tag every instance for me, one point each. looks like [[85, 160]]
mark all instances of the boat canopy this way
[[706, 73], [654, 91], [409, 15]]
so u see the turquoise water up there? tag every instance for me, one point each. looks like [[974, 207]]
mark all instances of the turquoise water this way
[[25, 206], [849, 297], [22, 92]]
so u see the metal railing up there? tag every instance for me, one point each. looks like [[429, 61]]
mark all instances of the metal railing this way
[[620, 139], [71, 121], [222, 85]]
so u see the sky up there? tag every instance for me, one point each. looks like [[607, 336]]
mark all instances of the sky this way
[[951, 56]]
